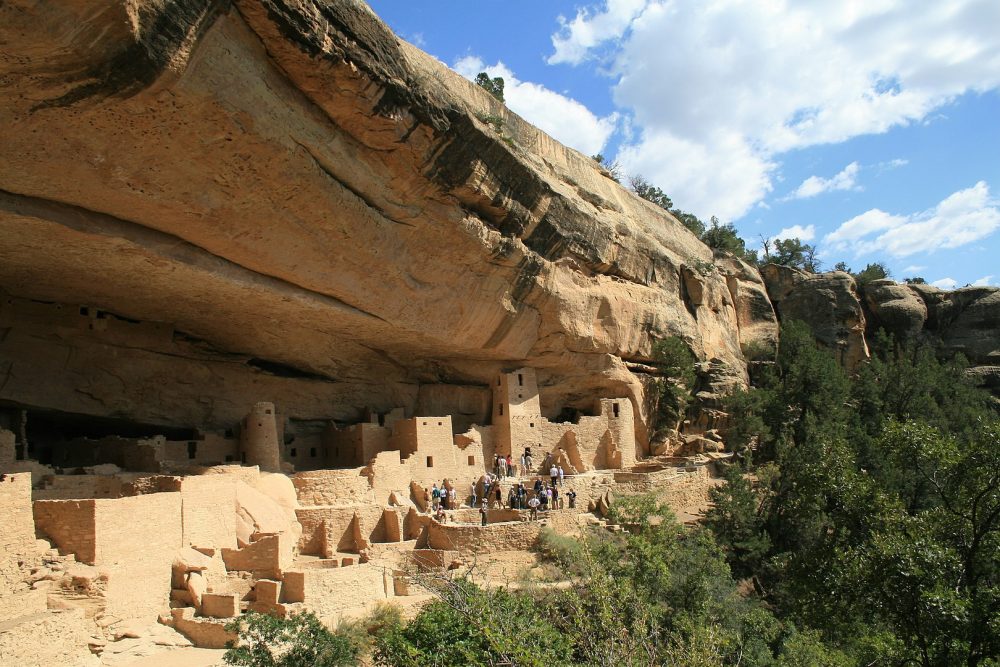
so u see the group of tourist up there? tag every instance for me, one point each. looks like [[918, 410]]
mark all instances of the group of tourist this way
[[539, 497]]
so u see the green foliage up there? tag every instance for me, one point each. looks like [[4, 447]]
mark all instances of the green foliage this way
[[842, 266], [791, 252], [469, 625], [676, 365], [299, 641], [725, 238], [492, 86], [874, 271], [915, 280], [499, 126], [737, 521], [649, 192], [613, 168], [874, 523]]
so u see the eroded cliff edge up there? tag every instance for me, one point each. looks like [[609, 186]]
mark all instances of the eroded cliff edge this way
[[210, 202]]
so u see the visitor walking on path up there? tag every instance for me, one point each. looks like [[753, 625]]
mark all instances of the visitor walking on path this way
[[554, 474], [473, 503], [483, 512], [562, 475]]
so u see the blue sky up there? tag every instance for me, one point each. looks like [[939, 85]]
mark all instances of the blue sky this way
[[870, 128]]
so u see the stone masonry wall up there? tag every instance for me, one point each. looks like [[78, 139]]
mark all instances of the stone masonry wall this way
[[17, 536]]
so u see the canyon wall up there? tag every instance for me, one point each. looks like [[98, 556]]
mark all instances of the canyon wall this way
[[206, 203]]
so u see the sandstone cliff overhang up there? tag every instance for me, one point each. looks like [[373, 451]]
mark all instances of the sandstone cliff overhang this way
[[309, 210]]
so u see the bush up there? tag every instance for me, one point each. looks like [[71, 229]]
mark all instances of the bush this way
[[299, 641]]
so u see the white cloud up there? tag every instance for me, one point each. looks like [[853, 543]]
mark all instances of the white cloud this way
[[796, 232], [564, 118], [845, 179], [728, 85], [963, 217], [985, 281], [912, 269], [945, 283], [588, 30]]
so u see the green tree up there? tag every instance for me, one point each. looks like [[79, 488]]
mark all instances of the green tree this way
[[613, 168], [675, 363], [842, 266], [793, 252], [726, 239], [736, 519], [915, 280], [297, 641], [872, 272], [649, 192], [492, 86]]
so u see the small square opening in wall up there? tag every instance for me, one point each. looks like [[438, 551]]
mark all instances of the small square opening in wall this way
[[520, 380], [425, 423], [472, 460], [430, 461], [267, 411], [293, 453], [192, 449], [440, 423], [531, 424], [312, 452], [501, 409], [615, 409]]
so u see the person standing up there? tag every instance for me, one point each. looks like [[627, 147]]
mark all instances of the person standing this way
[[473, 503], [452, 498], [554, 474], [562, 475], [435, 497], [572, 498], [483, 512], [533, 506]]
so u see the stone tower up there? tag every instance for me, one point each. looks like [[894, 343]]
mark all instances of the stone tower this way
[[259, 438], [516, 411]]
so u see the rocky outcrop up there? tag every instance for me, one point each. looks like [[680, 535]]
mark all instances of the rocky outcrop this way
[[309, 211], [827, 302], [896, 308], [964, 321]]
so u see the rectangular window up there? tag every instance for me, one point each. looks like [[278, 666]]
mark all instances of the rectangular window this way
[[520, 380], [472, 460], [430, 461], [615, 407], [293, 453], [312, 452], [192, 449], [501, 409]]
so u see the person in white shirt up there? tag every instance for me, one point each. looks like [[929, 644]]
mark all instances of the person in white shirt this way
[[533, 506]]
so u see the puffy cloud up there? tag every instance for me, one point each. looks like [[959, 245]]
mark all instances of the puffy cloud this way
[[720, 83], [945, 283], [985, 281], [799, 232], [588, 30], [562, 117], [846, 179], [962, 218]]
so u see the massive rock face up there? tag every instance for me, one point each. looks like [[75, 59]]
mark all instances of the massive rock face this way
[[827, 302], [206, 203]]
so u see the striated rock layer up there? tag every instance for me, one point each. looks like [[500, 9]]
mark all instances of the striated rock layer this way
[[223, 201]]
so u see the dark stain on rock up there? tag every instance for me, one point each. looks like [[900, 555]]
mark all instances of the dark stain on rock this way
[[138, 65]]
